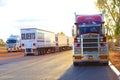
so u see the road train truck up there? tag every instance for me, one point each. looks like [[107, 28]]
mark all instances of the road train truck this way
[[37, 41], [70, 42], [62, 42], [13, 43], [90, 44]]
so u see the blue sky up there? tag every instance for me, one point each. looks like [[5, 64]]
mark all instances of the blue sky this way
[[51, 15]]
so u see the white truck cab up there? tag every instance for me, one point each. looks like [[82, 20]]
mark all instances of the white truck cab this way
[[13, 43]]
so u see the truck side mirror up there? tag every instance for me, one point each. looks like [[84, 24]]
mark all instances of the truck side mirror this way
[[73, 31], [6, 41]]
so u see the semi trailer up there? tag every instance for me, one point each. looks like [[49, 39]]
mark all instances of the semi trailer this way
[[37, 41]]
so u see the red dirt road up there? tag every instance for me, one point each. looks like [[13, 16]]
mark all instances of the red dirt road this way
[[6, 55], [114, 56]]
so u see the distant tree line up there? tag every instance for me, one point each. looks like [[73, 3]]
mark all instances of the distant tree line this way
[[62, 33], [2, 43]]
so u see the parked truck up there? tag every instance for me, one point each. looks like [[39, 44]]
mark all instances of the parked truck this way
[[90, 44], [37, 41], [61, 42], [13, 43], [70, 42]]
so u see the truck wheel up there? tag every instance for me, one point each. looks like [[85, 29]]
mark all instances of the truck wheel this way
[[75, 63], [105, 64], [42, 51], [53, 50], [36, 53], [60, 49]]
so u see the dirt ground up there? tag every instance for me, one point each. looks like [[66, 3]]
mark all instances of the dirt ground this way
[[4, 53], [115, 58]]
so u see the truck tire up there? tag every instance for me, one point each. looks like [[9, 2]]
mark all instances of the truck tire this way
[[75, 63], [105, 64], [36, 53], [52, 50], [42, 51]]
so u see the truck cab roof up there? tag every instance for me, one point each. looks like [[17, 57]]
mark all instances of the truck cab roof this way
[[89, 20]]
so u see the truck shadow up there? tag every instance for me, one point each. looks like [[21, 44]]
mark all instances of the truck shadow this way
[[89, 72]]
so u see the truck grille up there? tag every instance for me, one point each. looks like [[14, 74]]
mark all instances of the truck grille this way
[[90, 44], [90, 49], [28, 50], [90, 40]]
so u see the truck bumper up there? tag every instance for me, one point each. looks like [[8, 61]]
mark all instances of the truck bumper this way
[[84, 59], [11, 49], [30, 51]]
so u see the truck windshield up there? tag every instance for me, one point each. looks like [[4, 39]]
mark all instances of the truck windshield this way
[[11, 41], [84, 30]]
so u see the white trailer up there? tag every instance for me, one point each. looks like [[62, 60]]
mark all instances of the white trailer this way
[[37, 41], [62, 42], [13, 43], [70, 42]]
